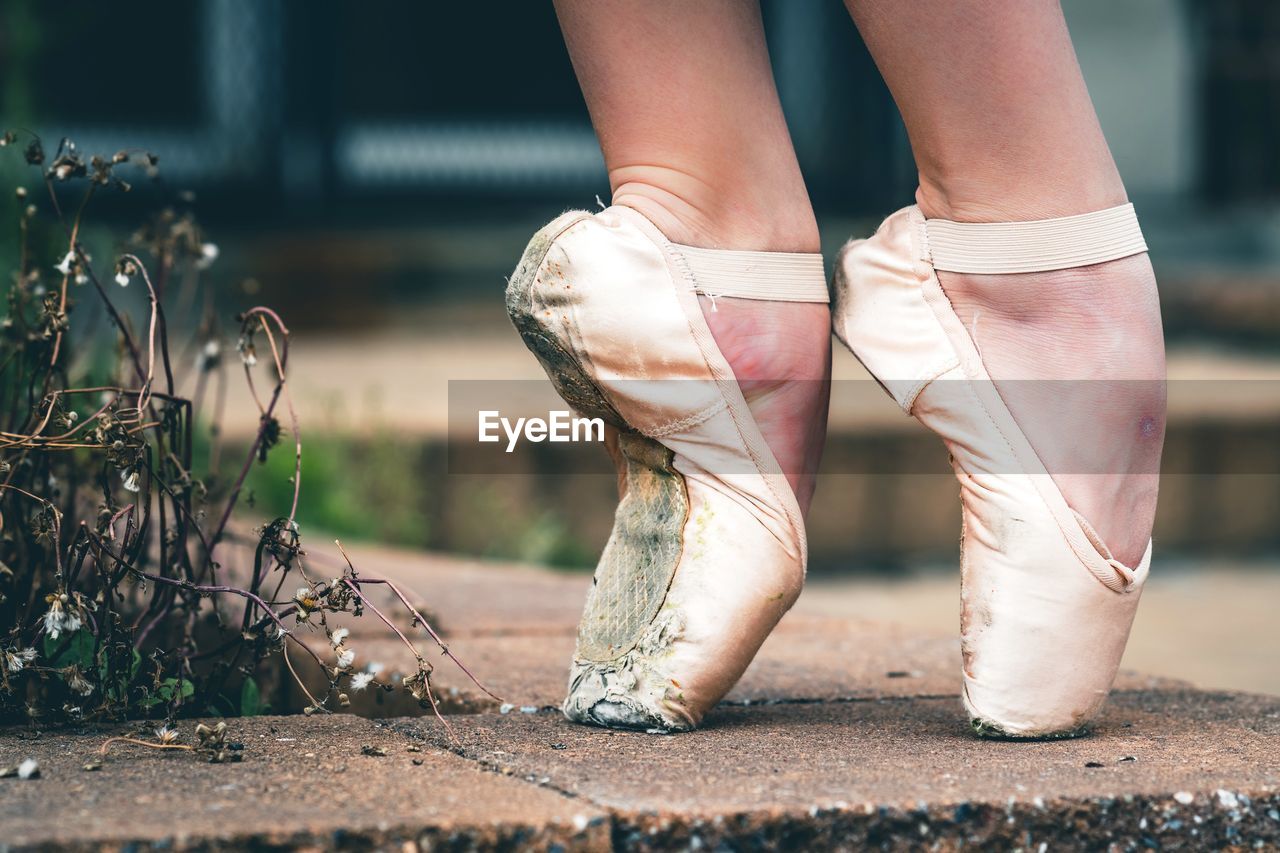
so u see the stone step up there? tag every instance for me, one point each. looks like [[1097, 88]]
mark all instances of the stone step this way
[[1222, 451], [1165, 768], [303, 783], [844, 733]]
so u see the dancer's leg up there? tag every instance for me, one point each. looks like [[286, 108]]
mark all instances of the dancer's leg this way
[[1003, 129], [684, 104]]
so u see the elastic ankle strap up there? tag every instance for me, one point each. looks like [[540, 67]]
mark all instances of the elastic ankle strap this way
[[1044, 244], [773, 276]]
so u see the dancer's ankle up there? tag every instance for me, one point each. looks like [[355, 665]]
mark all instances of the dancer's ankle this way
[[1014, 199], [694, 213]]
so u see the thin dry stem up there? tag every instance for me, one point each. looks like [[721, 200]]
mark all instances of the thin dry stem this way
[[106, 745]]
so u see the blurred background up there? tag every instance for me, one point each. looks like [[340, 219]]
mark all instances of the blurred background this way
[[373, 170]]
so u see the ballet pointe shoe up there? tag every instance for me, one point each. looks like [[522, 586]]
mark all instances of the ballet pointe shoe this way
[[1045, 608], [708, 548]]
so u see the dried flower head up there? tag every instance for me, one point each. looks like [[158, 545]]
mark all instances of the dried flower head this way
[[248, 354], [15, 659], [126, 269], [76, 681], [308, 601], [419, 683], [62, 617], [211, 737]]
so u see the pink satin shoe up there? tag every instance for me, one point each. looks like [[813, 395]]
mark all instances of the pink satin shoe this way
[[708, 547], [1046, 609]]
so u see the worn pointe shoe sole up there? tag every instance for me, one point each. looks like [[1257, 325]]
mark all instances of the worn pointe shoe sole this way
[[1045, 608], [707, 550]]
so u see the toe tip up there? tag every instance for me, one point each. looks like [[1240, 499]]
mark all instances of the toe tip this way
[[1023, 718], [991, 730], [620, 699], [619, 713]]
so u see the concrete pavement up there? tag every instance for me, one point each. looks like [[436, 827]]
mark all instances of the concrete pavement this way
[[845, 734]]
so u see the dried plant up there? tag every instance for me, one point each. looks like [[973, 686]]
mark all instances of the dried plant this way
[[113, 601]]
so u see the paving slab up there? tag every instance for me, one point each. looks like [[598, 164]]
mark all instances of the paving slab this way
[[303, 782], [1175, 769], [513, 626], [806, 659], [1164, 769], [844, 733]]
